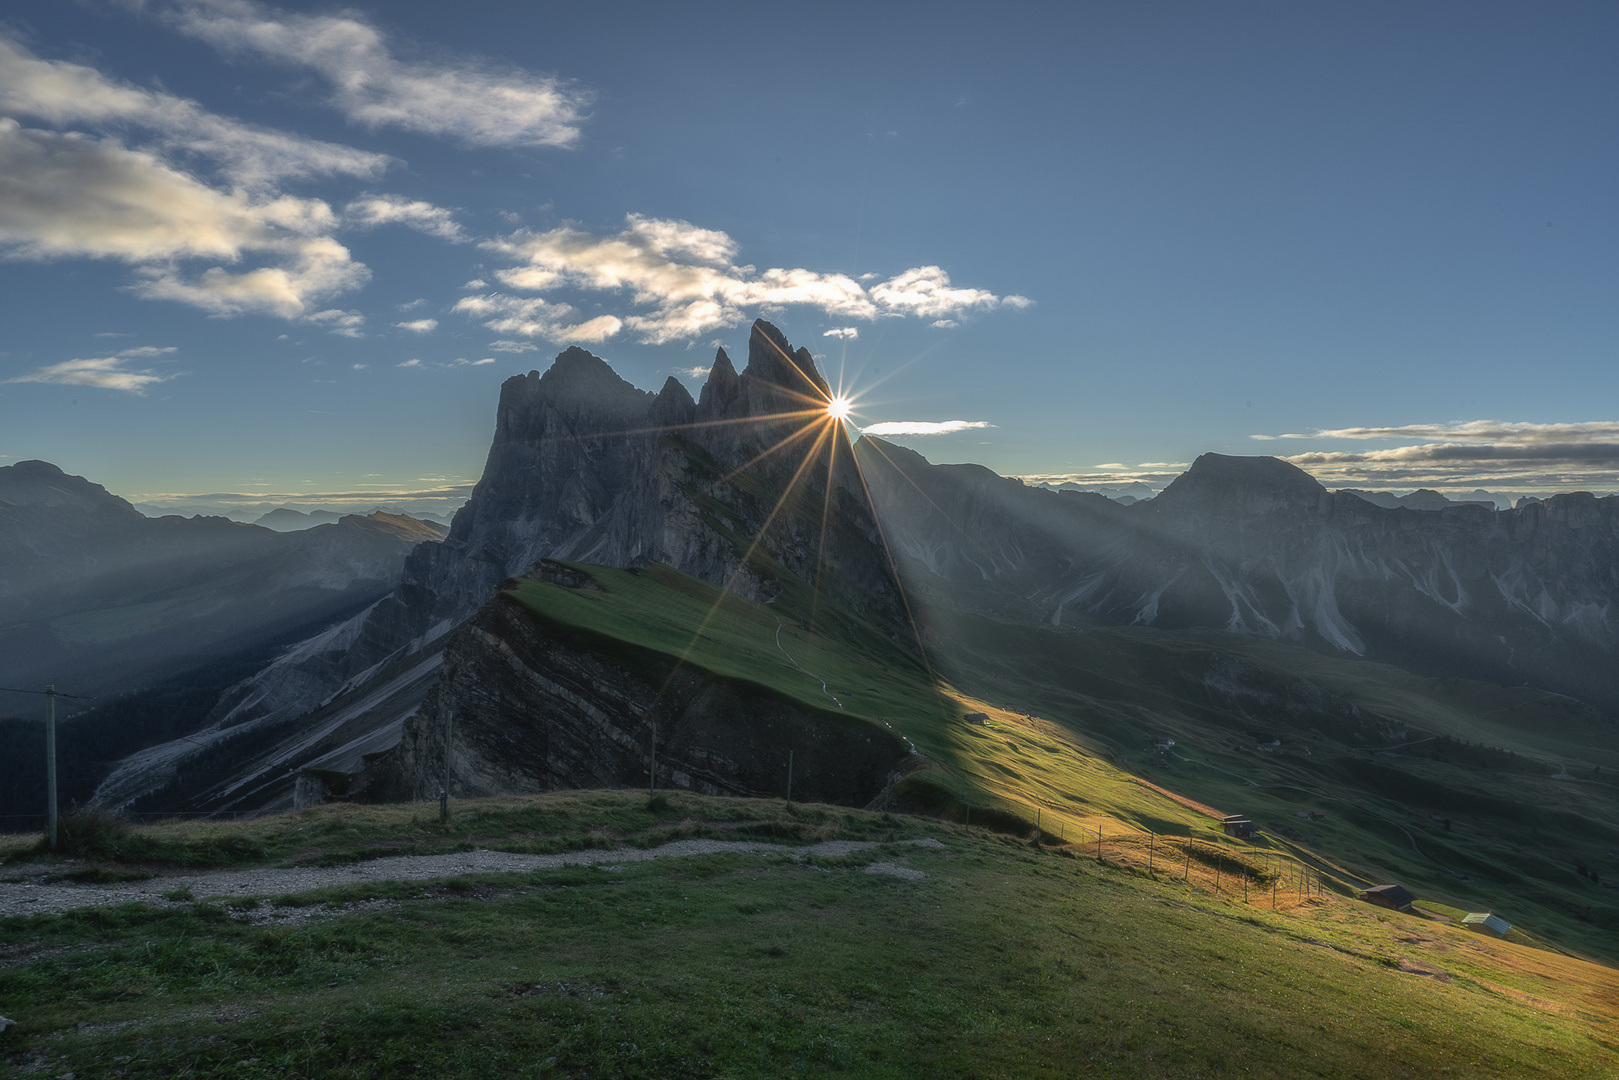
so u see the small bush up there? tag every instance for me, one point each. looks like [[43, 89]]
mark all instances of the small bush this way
[[90, 832]]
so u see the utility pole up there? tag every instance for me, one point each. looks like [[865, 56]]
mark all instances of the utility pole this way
[[444, 776], [50, 760], [652, 760]]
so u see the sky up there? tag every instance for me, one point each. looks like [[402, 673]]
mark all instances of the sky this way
[[257, 254]]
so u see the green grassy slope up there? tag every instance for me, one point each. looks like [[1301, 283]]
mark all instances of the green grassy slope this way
[[1005, 959], [1477, 796], [1070, 716]]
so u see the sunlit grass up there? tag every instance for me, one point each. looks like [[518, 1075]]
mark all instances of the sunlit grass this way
[[1005, 960]]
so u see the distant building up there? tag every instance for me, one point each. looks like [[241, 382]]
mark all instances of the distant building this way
[[1393, 897], [1483, 921], [1238, 826], [979, 718], [1162, 740]]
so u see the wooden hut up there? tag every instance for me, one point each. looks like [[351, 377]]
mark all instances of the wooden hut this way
[[1483, 922], [1238, 826], [1393, 897]]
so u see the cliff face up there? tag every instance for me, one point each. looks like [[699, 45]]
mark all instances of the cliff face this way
[[525, 709], [747, 481], [1256, 546]]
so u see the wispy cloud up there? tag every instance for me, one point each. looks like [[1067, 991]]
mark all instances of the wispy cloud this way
[[847, 333], [923, 427], [371, 210], [697, 371], [419, 326], [683, 281], [535, 317], [1471, 431], [343, 323], [107, 372], [476, 101], [508, 346], [130, 190]]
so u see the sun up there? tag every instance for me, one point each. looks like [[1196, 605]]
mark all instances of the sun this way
[[839, 407]]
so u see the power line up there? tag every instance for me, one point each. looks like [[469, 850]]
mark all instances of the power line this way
[[42, 693]]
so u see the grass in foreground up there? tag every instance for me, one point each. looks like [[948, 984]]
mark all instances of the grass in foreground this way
[[1005, 960]]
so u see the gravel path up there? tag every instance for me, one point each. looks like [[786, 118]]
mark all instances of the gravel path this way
[[36, 897]]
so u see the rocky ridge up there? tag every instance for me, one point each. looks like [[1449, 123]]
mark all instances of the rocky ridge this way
[[735, 487], [1257, 546]]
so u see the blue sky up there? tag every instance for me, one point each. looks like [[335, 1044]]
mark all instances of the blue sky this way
[[293, 250]]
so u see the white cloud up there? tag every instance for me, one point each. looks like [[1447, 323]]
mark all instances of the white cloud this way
[[371, 210], [356, 367], [847, 333], [485, 360], [534, 317], [97, 195], [146, 351], [419, 326], [698, 371], [411, 363], [507, 345], [476, 101], [1164, 465], [685, 281], [108, 372], [476, 283], [923, 427], [342, 323]]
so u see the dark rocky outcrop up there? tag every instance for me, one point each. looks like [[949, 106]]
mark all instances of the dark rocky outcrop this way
[[533, 709]]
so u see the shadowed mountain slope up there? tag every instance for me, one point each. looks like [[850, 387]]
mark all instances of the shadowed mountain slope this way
[[1256, 546]]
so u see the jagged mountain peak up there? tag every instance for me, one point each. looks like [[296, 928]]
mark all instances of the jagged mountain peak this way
[[39, 483], [673, 406], [772, 360], [1248, 484]]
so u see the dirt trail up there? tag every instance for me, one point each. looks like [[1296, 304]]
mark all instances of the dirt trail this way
[[38, 897]]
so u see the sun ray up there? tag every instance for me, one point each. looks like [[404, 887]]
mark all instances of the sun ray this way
[[826, 513], [893, 566], [807, 429], [741, 565], [796, 414], [906, 477]]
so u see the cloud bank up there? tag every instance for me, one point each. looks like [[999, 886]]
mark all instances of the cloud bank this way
[[683, 281], [1472, 453]]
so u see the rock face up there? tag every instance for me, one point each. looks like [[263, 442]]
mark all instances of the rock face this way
[[1256, 546], [749, 480], [532, 711]]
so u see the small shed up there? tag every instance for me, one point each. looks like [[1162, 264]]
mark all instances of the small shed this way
[[979, 718], [1393, 897], [1238, 826], [1484, 921]]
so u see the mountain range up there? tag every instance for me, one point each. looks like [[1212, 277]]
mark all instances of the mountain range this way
[[503, 633]]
